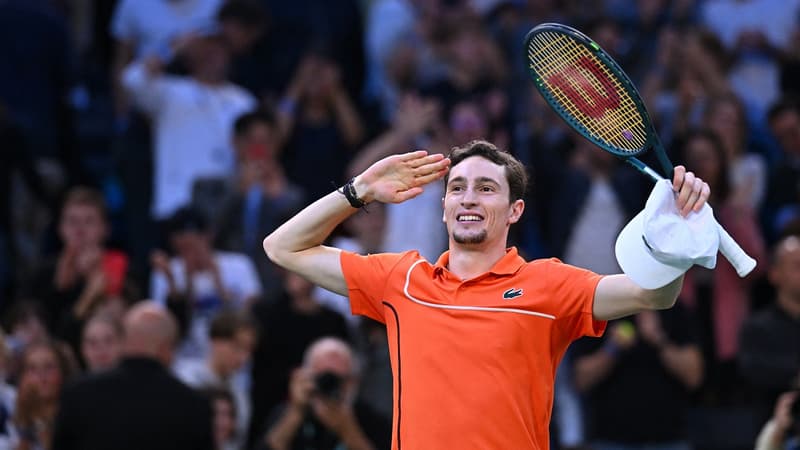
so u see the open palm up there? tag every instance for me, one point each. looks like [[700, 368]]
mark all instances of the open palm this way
[[398, 178]]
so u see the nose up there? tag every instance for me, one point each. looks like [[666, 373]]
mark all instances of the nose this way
[[469, 198]]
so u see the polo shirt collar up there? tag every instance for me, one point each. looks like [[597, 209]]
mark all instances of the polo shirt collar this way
[[508, 264]]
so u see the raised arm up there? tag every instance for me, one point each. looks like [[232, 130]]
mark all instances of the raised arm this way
[[297, 244]]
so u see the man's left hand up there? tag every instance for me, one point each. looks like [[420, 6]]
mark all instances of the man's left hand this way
[[692, 192]]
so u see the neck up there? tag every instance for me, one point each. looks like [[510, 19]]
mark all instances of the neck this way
[[790, 304], [305, 304], [467, 263]]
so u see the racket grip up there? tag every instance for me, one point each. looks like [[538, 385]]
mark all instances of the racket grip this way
[[740, 260]]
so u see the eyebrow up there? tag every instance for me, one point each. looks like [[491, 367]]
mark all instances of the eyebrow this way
[[461, 179]]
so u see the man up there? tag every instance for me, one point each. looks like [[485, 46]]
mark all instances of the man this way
[[233, 336], [138, 404], [86, 276], [475, 339], [263, 197], [192, 118], [288, 327], [322, 412], [770, 340], [199, 281], [653, 359]]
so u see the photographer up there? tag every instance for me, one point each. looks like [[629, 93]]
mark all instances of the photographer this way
[[322, 412], [782, 432]]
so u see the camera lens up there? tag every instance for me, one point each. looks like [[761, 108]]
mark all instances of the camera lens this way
[[329, 385]]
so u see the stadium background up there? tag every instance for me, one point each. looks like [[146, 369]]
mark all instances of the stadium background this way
[[138, 101]]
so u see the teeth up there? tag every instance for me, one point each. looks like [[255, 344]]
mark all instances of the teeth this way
[[469, 218]]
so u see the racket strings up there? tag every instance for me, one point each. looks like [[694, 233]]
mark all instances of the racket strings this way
[[592, 96]]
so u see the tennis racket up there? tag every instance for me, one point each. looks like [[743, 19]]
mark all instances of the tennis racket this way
[[587, 88]]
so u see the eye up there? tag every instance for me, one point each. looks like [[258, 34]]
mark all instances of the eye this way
[[456, 188], [486, 188]]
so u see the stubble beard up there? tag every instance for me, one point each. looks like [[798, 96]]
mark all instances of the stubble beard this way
[[471, 238]]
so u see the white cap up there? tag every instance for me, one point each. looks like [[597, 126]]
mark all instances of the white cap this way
[[659, 244]]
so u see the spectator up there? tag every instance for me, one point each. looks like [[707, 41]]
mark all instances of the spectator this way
[[783, 196], [192, 118], [46, 367], [748, 172], [782, 432], [150, 28], [770, 339], [85, 276], [322, 411], [647, 368], [139, 404], [224, 410], [233, 336], [592, 202], [26, 325], [263, 196], [754, 32], [720, 298], [321, 125], [199, 280], [288, 327], [101, 343]]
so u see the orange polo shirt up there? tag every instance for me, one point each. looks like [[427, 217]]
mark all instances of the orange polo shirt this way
[[474, 361]]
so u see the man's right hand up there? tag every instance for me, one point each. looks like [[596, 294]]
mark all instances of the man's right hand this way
[[301, 386], [398, 178]]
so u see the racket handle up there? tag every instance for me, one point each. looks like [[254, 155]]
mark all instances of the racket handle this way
[[740, 260]]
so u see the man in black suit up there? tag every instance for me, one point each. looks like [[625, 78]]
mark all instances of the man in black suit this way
[[138, 405]]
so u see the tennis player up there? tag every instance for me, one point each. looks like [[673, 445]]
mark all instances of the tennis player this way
[[475, 338]]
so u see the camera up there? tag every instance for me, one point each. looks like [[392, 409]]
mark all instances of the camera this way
[[329, 385]]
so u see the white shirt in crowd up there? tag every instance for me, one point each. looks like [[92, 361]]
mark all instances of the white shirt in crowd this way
[[153, 25], [240, 280], [191, 131]]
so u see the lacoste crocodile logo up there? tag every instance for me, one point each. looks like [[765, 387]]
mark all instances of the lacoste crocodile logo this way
[[512, 293]]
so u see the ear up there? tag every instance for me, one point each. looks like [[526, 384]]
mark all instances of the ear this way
[[444, 219], [515, 211]]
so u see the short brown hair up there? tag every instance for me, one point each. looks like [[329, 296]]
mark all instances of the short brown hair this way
[[516, 175], [82, 195], [228, 322]]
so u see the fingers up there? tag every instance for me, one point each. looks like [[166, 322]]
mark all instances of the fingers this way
[[430, 177], [408, 194], [677, 177], [412, 156], [692, 192], [425, 160]]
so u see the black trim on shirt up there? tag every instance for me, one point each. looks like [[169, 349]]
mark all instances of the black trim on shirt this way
[[399, 377]]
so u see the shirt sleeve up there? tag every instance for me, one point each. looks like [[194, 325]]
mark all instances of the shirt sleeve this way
[[573, 289], [148, 90], [366, 278]]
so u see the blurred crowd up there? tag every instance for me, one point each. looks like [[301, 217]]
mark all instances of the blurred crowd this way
[[148, 146]]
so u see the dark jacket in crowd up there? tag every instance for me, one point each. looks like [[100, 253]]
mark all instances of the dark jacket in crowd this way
[[138, 405]]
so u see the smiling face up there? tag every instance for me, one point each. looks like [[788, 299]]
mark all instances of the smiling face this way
[[477, 206]]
